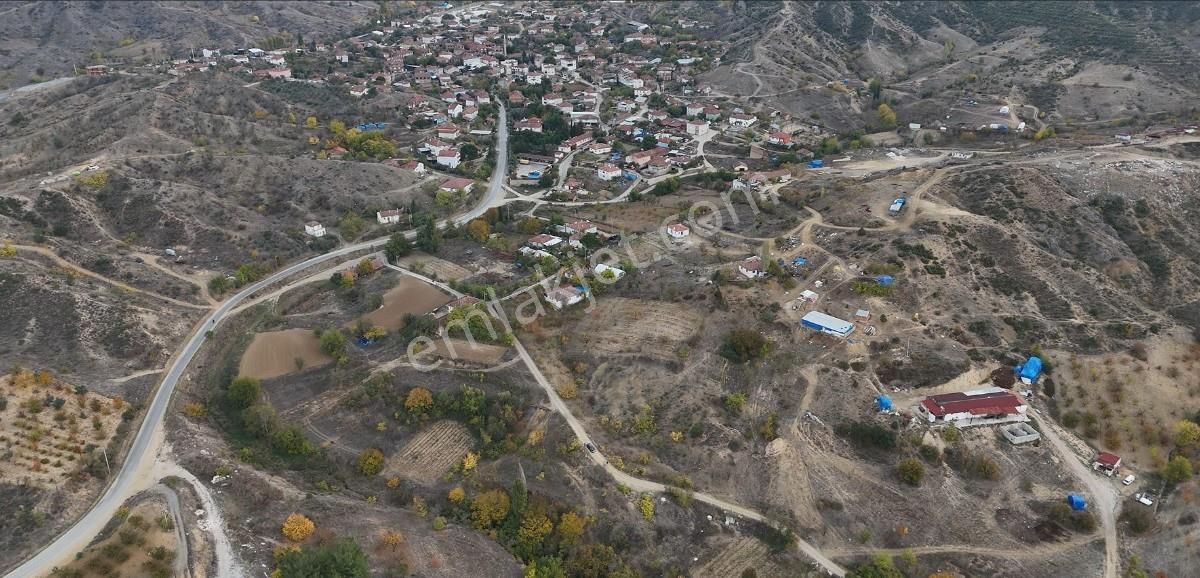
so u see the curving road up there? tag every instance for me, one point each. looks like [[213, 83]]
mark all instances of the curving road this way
[[145, 445]]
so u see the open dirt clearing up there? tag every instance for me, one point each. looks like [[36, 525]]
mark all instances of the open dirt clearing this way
[[436, 268], [274, 353], [410, 295], [429, 455], [621, 325], [480, 353], [44, 444]]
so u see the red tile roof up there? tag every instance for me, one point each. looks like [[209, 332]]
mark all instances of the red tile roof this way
[[1108, 459], [990, 403]]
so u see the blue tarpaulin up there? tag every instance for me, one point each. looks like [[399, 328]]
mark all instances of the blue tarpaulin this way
[[885, 280], [1030, 371], [885, 403], [799, 261], [816, 164], [1076, 502]]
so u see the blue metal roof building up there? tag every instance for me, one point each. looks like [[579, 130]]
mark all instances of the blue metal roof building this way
[[818, 321]]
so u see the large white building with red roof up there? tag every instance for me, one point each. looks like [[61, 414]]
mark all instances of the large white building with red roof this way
[[979, 407]]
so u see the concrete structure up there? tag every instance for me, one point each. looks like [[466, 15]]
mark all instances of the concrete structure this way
[[824, 323], [449, 157], [314, 229], [1020, 433], [979, 407], [697, 127]]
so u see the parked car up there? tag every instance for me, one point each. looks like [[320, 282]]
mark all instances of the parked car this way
[[1144, 499], [591, 447], [1128, 479]]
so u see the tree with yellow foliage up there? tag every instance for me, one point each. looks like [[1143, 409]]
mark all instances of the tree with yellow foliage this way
[[298, 528], [470, 461], [370, 461], [646, 507], [310, 122], [391, 539], [489, 508], [479, 230], [419, 401], [570, 527], [7, 250], [535, 526], [43, 377], [456, 495]]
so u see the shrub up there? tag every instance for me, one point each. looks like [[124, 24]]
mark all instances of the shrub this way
[[342, 558], [1139, 519], [742, 345], [646, 507], [244, 391], [910, 471], [370, 462], [866, 434], [298, 528]]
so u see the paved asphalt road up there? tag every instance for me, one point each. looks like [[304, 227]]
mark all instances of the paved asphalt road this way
[[145, 444]]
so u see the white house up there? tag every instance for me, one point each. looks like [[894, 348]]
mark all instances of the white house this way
[[608, 172], [564, 296], [600, 148], [752, 268], [678, 230], [543, 241], [601, 270], [314, 229], [388, 217], [449, 157], [697, 127], [741, 120]]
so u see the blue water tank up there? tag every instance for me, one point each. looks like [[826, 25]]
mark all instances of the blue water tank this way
[[1076, 502]]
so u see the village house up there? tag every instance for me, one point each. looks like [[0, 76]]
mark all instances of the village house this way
[[697, 127], [448, 131], [388, 217], [752, 268], [603, 271], [543, 241], [574, 142], [600, 148], [608, 172], [780, 138], [314, 229], [564, 296], [449, 157], [1106, 463], [457, 185], [979, 407], [531, 124], [678, 230], [742, 120]]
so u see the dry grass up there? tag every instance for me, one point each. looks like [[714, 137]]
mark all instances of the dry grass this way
[[620, 325], [410, 295]]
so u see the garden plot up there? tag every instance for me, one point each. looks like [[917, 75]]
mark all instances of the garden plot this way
[[743, 553], [432, 453], [621, 325], [436, 268], [276, 353], [480, 353], [46, 428], [409, 296]]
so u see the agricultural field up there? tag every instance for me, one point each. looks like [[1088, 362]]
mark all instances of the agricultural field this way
[[465, 351], [431, 453], [49, 428], [742, 553], [434, 267], [276, 353], [409, 296]]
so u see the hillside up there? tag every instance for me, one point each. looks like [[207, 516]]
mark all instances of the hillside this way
[[1073, 61], [44, 39]]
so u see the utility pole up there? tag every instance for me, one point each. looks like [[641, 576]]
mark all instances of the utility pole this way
[[106, 466]]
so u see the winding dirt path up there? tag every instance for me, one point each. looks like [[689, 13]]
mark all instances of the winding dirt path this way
[[43, 251]]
